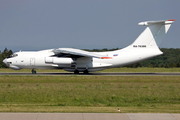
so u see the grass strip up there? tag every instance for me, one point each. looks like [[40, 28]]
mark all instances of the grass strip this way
[[123, 69], [90, 94]]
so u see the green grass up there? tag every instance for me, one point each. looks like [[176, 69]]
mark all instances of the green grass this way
[[142, 69], [123, 69], [29, 70], [90, 94]]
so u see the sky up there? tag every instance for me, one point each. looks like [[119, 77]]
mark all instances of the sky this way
[[83, 24]]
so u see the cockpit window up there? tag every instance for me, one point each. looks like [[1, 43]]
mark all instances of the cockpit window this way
[[13, 55]]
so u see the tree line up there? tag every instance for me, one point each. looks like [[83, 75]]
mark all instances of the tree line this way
[[170, 58], [6, 53]]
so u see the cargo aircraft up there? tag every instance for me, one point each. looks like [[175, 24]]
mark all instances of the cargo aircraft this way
[[76, 60]]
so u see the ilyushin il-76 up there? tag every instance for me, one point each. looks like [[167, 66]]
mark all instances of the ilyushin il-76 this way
[[75, 60]]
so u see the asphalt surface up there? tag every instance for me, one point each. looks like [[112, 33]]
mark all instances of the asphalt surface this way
[[93, 74], [89, 116]]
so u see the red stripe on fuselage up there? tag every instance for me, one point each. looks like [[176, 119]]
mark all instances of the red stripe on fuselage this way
[[106, 57]]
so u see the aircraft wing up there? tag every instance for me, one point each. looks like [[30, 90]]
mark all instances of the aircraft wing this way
[[79, 53]]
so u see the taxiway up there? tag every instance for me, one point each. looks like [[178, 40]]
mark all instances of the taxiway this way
[[89, 116]]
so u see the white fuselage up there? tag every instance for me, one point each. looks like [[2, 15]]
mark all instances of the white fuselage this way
[[44, 60], [76, 60]]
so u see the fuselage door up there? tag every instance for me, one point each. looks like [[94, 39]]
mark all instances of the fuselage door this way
[[32, 61]]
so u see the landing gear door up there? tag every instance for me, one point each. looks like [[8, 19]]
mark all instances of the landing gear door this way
[[32, 61]]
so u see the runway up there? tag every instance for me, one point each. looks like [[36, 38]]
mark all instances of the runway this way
[[89, 116], [90, 74]]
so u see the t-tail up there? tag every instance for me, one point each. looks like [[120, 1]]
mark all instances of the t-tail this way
[[154, 33], [147, 44], [152, 36]]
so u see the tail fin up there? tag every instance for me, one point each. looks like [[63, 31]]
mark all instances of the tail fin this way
[[153, 34], [146, 45]]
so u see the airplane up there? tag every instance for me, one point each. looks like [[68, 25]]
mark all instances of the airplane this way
[[76, 60]]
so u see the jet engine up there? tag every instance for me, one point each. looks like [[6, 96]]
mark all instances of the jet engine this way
[[55, 60]]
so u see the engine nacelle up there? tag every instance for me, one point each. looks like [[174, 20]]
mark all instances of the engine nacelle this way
[[55, 60], [62, 61]]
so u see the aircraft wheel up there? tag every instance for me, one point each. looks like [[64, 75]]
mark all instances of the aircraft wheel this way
[[33, 71], [86, 72], [76, 72]]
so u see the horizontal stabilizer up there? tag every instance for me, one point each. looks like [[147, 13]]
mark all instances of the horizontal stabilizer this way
[[157, 22]]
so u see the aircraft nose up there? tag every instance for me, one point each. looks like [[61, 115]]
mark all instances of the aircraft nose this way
[[5, 61]]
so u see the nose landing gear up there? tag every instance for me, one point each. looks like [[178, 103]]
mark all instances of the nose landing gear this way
[[33, 71]]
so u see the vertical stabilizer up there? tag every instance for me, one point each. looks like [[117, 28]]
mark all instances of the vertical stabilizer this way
[[147, 44], [153, 34]]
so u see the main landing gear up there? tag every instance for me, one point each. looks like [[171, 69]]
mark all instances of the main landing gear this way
[[33, 71], [77, 72], [86, 72]]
